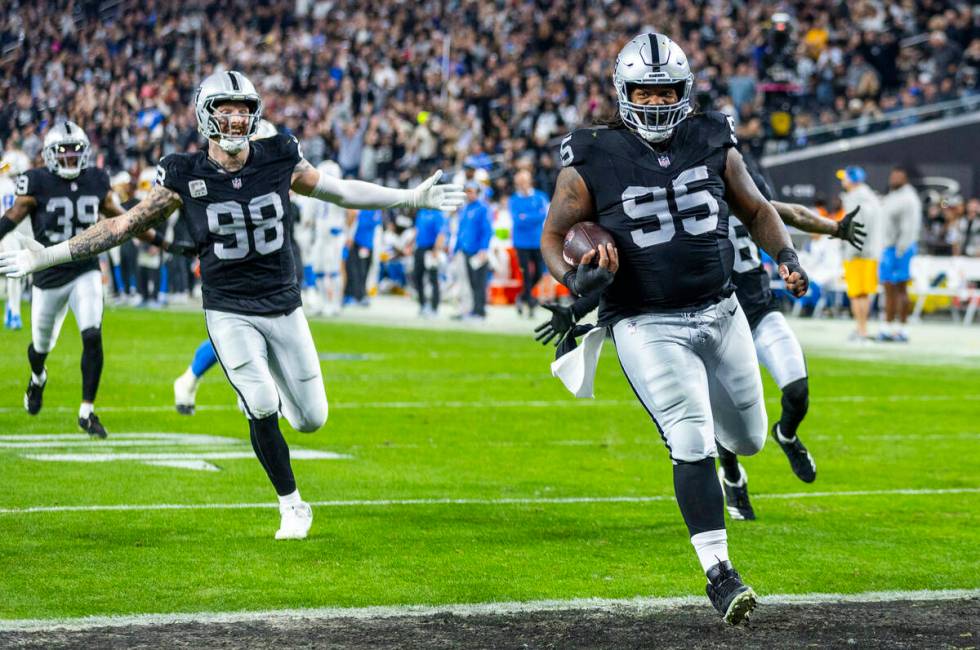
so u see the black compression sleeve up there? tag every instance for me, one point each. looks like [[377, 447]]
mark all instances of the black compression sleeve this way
[[6, 226]]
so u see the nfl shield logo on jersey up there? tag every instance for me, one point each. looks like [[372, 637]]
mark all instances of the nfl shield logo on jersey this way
[[236, 183], [664, 160]]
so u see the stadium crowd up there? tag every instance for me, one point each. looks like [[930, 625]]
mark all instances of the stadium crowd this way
[[394, 90]]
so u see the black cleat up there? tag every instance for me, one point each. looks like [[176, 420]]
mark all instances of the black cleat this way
[[737, 495], [33, 396], [93, 427], [185, 409], [731, 597], [800, 459]]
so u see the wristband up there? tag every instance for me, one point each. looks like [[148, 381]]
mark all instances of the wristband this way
[[158, 239], [6, 226], [569, 282], [54, 255], [787, 256]]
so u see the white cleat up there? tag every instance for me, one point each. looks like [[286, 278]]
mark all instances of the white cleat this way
[[296, 521], [185, 393]]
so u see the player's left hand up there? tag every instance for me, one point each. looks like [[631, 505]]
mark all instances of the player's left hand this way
[[562, 320], [851, 231], [792, 273], [446, 197], [18, 263]]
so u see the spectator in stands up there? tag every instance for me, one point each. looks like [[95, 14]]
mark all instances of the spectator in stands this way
[[861, 267], [966, 234], [528, 209], [473, 241], [901, 226]]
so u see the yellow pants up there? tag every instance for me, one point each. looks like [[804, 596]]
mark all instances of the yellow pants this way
[[861, 276]]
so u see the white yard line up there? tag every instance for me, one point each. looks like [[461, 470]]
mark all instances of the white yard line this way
[[636, 605], [562, 403], [474, 502]]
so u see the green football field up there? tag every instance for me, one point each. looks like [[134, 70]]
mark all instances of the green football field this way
[[455, 469]]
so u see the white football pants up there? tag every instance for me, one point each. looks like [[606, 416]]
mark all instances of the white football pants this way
[[50, 306], [697, 375], [272, 364], [779, 350]]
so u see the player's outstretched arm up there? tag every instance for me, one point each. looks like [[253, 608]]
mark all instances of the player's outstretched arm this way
[[798, 216], [102, 236], [110, 209], [763, 222], [22, 207], [308, 181]]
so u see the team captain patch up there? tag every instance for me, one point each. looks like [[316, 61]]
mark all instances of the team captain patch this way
[[197, 188]]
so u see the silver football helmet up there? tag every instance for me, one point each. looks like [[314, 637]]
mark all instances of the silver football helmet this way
[[230, 86], [654, 60], [66, 149]]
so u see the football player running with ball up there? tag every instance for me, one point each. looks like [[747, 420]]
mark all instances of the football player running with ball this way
[[661, 179], [235, 196]]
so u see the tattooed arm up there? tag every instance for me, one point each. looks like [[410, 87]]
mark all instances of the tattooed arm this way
[[762, 221], [798, 216], [101, 237], [110, 209]]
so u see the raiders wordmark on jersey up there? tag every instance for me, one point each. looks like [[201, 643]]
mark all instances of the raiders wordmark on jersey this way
[[665, 209], [65, 207], [241, 224]]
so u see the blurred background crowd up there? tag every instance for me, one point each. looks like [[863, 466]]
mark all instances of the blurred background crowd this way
[[481, 88]]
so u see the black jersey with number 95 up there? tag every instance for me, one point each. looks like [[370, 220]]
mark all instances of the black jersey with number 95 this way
[[665, 209], [65, 207], [240, 222]]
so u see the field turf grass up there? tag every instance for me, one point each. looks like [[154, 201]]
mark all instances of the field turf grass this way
[[450, 415]]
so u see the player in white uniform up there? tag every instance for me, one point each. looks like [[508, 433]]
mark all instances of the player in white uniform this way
[[13, 164], [329, 228]]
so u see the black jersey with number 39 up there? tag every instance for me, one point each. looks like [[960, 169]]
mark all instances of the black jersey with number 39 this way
[[240, 224], [665, 209], [65, 207]]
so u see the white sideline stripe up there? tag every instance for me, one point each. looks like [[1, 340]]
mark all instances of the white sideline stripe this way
[[296, 454], [638, 605], [471, 502], [562, 403]]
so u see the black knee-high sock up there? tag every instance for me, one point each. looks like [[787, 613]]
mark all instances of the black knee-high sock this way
[[36, 359], [92, 358], [699, 496], [729, 463], [796, 401], [271, 449]]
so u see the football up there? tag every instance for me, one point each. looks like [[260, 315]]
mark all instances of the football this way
[[582, 238]]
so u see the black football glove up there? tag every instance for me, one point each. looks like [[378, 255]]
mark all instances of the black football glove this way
[[849, 231], [787, 258], [568, 343], [587, 278], [561, 321]]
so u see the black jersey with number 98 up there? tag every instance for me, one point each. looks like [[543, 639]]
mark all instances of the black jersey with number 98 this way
[[240, 222], [665, 210]]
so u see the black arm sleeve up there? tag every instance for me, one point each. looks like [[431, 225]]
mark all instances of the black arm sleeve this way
[[6, 226]]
